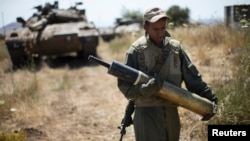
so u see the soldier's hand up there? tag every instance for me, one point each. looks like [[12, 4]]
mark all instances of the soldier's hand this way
[[151, 87], [127, 121], [215, 110]]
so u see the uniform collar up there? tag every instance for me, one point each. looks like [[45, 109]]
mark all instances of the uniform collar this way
[[150, 43]]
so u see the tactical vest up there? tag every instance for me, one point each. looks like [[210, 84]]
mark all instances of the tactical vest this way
[[171, 70]]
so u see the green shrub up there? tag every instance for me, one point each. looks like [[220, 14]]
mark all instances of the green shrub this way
[[234, 95], [16, 136]]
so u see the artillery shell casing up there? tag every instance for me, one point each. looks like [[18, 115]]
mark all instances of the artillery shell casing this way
[[186, 99]]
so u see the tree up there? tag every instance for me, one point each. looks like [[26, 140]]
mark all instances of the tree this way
[[178, 15]]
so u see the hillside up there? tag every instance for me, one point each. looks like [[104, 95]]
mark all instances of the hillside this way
[[9, 27]]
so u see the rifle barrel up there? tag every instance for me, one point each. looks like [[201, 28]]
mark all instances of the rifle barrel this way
[[121, 137], [99, 61]]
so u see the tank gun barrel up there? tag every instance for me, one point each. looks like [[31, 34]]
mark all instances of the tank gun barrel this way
[[79, 3], [39, 7]]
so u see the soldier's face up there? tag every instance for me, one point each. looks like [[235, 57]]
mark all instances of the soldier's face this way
[[156, 31]]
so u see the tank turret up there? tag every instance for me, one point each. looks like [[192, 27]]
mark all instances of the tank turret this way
[[52, 31]]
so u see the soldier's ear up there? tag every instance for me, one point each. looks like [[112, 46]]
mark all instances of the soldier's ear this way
[[145, 26]]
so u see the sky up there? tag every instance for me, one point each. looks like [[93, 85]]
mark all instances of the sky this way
[[104, 12]]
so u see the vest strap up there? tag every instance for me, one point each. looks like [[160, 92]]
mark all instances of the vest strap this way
[[165, 51]]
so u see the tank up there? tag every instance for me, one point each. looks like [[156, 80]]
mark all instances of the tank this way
[[52, 31], [107, 34], [121, 26], [126, 25]]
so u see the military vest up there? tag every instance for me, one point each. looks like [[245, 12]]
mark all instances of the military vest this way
[[148, 54]]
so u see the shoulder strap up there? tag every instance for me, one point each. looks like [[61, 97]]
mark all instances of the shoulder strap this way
[[165, 51], [141, 58]]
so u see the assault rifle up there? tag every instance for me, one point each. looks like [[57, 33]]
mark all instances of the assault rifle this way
[[127, 120]]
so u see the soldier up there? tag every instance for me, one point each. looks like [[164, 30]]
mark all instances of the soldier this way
[[163, 58]]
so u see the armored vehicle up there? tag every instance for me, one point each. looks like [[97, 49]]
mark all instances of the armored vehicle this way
[[52, 32], [107, 34], [126, 25], [121, 26]]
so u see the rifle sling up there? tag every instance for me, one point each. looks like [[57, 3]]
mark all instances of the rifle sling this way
[[165, 51]]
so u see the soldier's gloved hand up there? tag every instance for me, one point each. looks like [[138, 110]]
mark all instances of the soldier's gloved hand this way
[[213, 99], [151, 87], [127, 121], [208, 94]]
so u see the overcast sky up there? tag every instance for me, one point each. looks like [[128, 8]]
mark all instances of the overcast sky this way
[[104, 12]]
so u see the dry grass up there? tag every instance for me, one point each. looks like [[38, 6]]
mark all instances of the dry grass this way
[[84, 103]]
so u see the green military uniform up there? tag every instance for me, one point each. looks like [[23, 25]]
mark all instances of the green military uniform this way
[[156, 119]]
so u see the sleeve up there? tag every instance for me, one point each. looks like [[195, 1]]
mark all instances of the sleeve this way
[[193, 80], [129, 90]]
